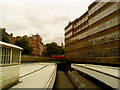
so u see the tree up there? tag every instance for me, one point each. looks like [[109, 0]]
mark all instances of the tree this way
[[23, 42], [61, 50], [53, 48], [4, 36]]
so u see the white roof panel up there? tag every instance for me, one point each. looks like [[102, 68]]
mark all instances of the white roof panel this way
[[10, 45]]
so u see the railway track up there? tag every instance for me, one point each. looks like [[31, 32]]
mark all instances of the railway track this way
[[80, 78], [73, 80]]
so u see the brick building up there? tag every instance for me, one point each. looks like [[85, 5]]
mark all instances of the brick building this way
[[37, 46], [35, 41], [9, 36], [95, 36]]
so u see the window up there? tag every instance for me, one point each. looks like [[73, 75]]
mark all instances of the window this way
[[6, 56], [16, 56]]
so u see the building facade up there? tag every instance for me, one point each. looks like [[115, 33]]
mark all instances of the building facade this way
[[37, 46], [4, 34], [95, 36]]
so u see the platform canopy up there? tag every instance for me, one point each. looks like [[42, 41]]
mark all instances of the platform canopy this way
[[10, 45]]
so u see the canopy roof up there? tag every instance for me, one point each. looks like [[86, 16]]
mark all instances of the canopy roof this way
[[10, 45]]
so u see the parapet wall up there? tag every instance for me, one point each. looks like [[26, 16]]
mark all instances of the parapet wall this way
[[28, 58]]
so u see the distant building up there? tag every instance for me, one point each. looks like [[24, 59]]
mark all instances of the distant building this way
[[25, 36], [62, 45], [0, 34], [10, 36], [17, 37], [37, 46], [95, 36], [35, 41]]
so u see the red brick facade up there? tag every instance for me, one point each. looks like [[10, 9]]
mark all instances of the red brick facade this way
[[37, 46]]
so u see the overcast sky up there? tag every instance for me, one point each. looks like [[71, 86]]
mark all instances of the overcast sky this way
[[48, 18]]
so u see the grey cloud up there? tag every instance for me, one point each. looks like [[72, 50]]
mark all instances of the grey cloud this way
[[45, 17]]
